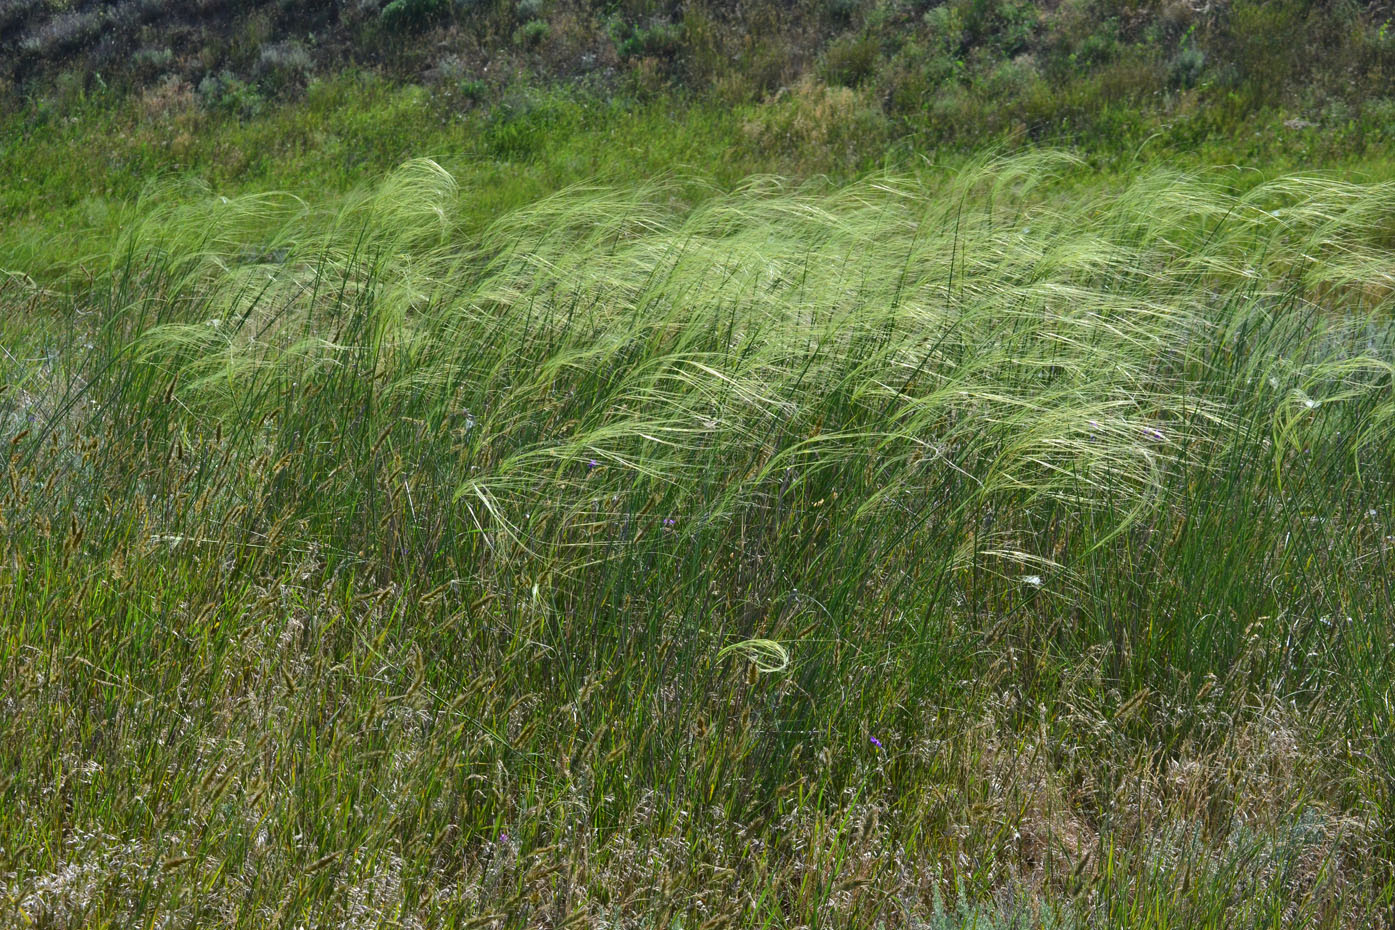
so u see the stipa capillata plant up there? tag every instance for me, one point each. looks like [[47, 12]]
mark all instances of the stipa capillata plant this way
[[794, 555]]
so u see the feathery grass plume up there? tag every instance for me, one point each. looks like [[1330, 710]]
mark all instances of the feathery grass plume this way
[[765, 654], [687, 332]]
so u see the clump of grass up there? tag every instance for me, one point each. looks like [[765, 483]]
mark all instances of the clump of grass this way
[[793, 554]]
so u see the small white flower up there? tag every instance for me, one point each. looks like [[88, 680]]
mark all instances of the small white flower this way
[[1032, 580]]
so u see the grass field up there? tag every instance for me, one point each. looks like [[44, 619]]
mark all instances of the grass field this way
[[988, 545]]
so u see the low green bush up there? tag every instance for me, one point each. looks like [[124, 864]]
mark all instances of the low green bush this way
[[401, 15], [531, 33], [224, 92], [850, 61], [662, 40]]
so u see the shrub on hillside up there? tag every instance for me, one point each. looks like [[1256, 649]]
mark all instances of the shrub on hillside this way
[[15, 12], [224, 92], [531, 33], [147, 10], [1186, 67], [1263, 41], [62, 33], [849, 61], [663, 41], [1010, 80], [284, 65], [150, 62], [412, 14], [1005, 27], [167, 101], [839, 12]]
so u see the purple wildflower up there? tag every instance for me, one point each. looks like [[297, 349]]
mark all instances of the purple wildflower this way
[[593, 464], [876, 742], [669, 521]]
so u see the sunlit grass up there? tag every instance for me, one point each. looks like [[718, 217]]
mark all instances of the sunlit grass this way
[[951, 547]]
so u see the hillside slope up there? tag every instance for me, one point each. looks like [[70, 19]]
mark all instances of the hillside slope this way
[[964, 68]]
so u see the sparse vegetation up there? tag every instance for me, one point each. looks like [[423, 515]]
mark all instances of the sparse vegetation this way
[[963, 73]]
